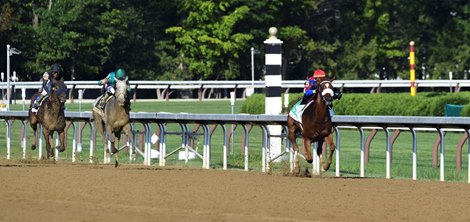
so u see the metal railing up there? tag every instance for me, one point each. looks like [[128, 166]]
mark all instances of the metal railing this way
[[387, 123]]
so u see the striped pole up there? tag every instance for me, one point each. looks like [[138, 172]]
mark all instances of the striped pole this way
[[273, 78], [412, 69]]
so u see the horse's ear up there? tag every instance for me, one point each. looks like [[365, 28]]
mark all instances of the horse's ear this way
[[333, 79]]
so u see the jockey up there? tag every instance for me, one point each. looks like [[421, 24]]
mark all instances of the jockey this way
[[309, 93], [110, 86], [311, 85], [55, 73], [46, 86]]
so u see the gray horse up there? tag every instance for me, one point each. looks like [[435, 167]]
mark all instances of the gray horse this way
[[115, 119]]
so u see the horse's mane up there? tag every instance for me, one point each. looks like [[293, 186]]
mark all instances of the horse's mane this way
[[121, 89]]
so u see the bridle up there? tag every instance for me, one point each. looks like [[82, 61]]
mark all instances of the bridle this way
[[326, 88]]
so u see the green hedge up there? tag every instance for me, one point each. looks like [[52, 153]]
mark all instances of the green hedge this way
[[386, 104]]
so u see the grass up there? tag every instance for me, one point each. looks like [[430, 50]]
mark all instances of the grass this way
[[349, 141]]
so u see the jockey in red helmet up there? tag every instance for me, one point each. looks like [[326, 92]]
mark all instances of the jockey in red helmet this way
[[309, 93], [311, 85]]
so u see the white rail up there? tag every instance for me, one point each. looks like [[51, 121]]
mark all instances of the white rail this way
[[259, 84], [386, 123]]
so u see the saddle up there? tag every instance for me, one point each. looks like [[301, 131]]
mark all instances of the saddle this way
[[98, 110], [298, 109], [39, 103]]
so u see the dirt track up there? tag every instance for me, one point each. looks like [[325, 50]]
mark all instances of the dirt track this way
[[66, 192]]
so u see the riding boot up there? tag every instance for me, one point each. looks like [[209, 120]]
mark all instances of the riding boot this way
[[305, 99], [38, 101]]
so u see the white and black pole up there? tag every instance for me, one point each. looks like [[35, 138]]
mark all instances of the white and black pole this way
[[273, 81]]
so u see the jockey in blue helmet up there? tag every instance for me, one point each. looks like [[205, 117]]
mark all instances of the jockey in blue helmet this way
[[53, 73]]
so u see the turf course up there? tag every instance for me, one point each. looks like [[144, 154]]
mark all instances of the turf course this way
[[350, 145]]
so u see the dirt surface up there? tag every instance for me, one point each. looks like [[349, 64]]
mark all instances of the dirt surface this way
[[66, 192]]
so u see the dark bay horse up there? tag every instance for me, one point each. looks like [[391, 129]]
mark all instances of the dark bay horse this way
[[51, 116], [115, 119], [316, 126]]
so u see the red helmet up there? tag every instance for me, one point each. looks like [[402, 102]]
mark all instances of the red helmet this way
[[319, 73]]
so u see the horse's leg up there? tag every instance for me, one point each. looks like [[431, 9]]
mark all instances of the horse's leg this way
[[117, 136], [99, 126], [306, 149], [130, 135], [61, 147], [293, 141], [291, 127], [115, 148], [331, 144], [47, 137], [34, 125], [112, 139]]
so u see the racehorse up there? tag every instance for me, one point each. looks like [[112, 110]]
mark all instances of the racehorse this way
[[316, 126], [115, 119], [51, 116]]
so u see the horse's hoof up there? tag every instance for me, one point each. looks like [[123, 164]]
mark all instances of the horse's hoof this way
[[307, 173], [310, 161], [33, 147], [116, 164], [60, 148], [296, 171]]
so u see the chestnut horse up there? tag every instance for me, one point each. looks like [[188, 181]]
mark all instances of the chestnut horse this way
[[51, 116], [316, 126], [115, 119]]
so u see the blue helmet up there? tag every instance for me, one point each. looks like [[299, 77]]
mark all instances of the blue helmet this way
[[55, 68]]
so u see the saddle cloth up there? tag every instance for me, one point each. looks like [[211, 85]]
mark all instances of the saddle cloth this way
[[98, 110], [39, 103], [298, 109]]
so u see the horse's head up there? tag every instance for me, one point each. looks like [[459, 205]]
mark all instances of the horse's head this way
[[121, 91], [60, 90], [325, 89]]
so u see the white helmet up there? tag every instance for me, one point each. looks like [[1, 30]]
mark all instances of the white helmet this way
[[45, 76]]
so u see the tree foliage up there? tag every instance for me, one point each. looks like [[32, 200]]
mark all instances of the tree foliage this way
[[211, 40]]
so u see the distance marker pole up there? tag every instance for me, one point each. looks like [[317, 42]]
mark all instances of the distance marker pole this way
[[412, 69]]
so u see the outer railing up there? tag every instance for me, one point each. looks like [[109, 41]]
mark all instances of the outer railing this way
[[143, 84], [165, 88], [387, 123]]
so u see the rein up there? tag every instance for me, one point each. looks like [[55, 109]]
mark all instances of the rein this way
[[326, 90]]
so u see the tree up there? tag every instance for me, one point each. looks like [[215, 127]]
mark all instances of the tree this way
[[202, 39], [209, 47]]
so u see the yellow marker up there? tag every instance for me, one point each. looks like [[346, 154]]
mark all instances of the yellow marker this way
[[412, 69]]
